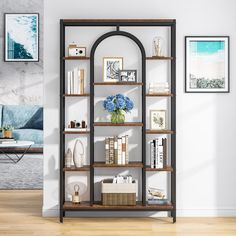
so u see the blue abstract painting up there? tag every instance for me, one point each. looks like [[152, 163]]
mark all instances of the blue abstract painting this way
[[21, 37], [207, 64]]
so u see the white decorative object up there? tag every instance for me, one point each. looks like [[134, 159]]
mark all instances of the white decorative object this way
[[76, 196], [68, 158], [78, 153], [158, 46]]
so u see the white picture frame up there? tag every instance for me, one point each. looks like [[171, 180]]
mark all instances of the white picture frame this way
[[158, 119], [111, 68]]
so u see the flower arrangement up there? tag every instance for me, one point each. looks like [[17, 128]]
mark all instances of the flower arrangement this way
[[117, 105]]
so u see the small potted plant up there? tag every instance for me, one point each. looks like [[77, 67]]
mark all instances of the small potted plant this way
[[7, 131], [117, 105]]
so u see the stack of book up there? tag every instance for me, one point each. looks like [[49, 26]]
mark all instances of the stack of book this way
[[75, 83], [7, 141], [116, 150], [157, 196], [158, 153]]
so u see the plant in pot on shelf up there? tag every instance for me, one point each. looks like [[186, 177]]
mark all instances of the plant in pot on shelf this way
[[118, 105], [7, 131]]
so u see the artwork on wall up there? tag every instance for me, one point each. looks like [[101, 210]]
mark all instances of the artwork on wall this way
[[128, 75], [21, 37], [158, 119], [111, 68], [207, 64]]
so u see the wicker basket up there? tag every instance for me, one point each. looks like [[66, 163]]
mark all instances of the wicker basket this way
[[118, 194]]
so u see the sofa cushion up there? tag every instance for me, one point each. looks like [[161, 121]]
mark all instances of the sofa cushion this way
[[34, 135], [18, 115], [36, 121]]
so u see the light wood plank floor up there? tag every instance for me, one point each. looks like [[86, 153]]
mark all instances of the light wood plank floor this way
[[20, 215]]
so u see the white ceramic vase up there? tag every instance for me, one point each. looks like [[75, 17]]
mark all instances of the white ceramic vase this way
[[78, 153], [68, 158]]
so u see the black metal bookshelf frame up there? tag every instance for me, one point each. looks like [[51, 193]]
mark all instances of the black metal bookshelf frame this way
[[117, 23]]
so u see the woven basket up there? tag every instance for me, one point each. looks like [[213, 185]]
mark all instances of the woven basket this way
[[118, 194]]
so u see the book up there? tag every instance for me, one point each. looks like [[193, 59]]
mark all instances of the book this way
[[119, 150], [164, 141], [152, 154], [123, 150], [107, 150], [81, 77], [159, 154], [116, 150], [75, 81], [111, 150], [126, 149]]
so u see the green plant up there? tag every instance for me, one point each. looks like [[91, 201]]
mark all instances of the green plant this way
[[7, 128]]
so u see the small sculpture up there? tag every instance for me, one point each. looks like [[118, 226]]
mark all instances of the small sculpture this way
[[68, 158], [78, 153], [158, 47]]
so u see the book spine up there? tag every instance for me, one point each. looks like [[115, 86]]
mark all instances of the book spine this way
[[164, 152], [81, 81], [72, 82], [152, 154], [76, 79], [126, 149], [123, 150], [116, 150], [68, 82], [107, 150], [119, 151], [160, 154], [156, 153], [111, 151]]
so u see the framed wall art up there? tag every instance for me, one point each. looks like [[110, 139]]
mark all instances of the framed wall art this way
[[21, 38], [111, 68], [128, 75], [158, 119], [206, 64]]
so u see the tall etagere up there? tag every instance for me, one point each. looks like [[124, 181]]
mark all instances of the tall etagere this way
[[118, 24]]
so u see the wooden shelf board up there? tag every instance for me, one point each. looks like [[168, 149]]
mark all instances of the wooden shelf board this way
[[159, 58], [76, 132], [117, 83], [76, 95], [159, 95], [99, 206], [76, 58], [130, 164], [84, 168], [167, 168], [166, 131], [122, 124]]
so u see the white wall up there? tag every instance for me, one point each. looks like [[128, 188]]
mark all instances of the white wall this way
[[205, 122]]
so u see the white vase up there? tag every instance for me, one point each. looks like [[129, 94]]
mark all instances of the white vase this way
[[68, 158], [78, 154]]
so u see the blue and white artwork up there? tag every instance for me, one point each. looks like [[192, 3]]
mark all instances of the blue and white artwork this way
[[21, 37], [207, 64]]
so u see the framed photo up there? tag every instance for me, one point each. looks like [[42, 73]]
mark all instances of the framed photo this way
[[128, 76], [158, 119], [206, 64], [111, 68], [21, 38]]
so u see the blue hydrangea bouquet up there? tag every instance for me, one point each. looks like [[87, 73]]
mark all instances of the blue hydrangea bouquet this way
[[117, 105]]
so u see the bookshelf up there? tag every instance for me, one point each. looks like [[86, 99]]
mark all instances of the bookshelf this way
[[142, 205]]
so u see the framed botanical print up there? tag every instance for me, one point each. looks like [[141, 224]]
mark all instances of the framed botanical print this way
[[158, 119], [21, 39], [111, 68], [206, 64]]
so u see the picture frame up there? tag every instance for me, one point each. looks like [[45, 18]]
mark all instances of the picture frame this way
[[128, 76], [207, 64], [21, 37], [158, 119], [111, 68]]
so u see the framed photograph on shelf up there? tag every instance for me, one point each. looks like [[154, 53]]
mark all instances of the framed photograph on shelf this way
[[158, 119], [111, 68], [128, 75], [207, 64], [21, 39]]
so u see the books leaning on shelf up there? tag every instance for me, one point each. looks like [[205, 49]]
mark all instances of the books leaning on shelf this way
[[7, 141], [158, 153], [75, 81], [116, 150]]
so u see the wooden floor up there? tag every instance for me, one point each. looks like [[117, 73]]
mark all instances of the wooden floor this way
[[20, 214]]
